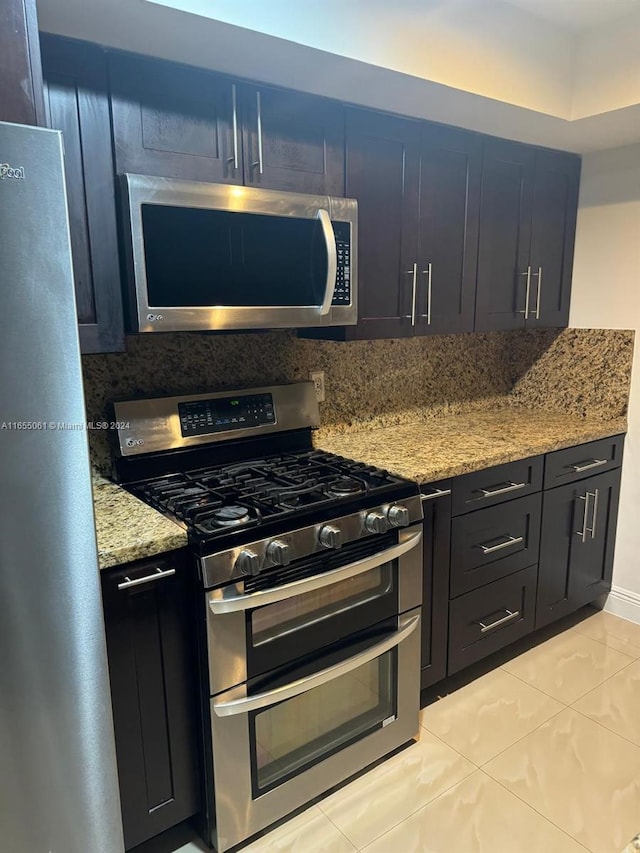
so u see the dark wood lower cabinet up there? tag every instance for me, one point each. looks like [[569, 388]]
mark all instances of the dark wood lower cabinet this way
[[435, 590], [577, 542], [152, 657]]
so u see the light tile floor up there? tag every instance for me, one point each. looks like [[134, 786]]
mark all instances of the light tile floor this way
[[541, 755]]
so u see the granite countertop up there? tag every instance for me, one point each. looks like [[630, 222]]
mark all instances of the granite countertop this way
[[449, 445], [424, 449], [128, 529]]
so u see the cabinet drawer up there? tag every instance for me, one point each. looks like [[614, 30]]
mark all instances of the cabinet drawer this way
[[483, 621], [491, 543], [496, 485], [584, 460]]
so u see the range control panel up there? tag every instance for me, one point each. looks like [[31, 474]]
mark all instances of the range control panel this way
[[342, 293], [203, 417]]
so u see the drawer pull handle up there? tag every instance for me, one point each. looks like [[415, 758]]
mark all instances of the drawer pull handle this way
[[158, 575], [594, 464], [501, 489], [511, 614], [509, 541], [436, 493]]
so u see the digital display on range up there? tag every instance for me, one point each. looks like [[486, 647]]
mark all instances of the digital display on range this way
[[203, 417]]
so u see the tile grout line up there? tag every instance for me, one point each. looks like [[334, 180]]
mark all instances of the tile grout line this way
[[534, 809], [453, 785], [539, 689], [606, 728], [615, 637]]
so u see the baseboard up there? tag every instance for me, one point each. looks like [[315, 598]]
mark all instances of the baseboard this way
[[625, 603]]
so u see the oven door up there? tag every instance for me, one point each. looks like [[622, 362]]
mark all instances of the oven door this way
[[336, 594], [281, 742], [216, 256]]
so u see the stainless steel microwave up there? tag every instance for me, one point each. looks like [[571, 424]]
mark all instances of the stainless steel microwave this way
[[207, 257]]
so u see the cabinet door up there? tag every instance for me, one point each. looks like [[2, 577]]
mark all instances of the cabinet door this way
[[77, 104], [450, 172], [435, 588], [152, 672], [505, 231], [174, 121], [292, 142], [553, 230], [21, 98], [382, 173], [577, 542]]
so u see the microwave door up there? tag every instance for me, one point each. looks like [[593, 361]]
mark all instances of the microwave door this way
[[207, 269]]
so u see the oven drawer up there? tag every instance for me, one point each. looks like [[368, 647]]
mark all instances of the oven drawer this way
[[576, 463], [491, 543], [496, 485], [489, 618]]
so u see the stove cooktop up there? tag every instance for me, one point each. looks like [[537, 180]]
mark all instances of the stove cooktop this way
[[216, 501]]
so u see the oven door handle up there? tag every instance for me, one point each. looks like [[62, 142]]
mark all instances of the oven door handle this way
[[237, 603], [238, 703], [332, 261]]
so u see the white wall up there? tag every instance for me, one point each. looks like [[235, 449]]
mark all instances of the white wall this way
[[606, 294], [607, 67], [490, 49]]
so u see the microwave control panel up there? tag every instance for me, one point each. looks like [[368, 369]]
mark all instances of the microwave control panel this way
[[203, 417], [342, 293]]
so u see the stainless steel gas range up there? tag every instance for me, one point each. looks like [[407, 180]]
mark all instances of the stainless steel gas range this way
[[311, 574]]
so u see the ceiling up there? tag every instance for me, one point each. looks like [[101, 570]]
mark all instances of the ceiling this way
[[487, 65], [577, 15]]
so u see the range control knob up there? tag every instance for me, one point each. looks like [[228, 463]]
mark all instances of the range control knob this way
[[376, 522], [330, 536], [279, 552], [248, 562], [398, 516]]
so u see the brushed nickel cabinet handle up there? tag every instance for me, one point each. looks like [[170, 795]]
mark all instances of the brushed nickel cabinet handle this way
[[436, 493], [414, 273], [259, 162], [538, 293], [527, 294], [511, 614], [501, 490], [594, 514], [509, 541], [428, 272], [159, 573], [583, 533], [234, 100], [595, 464]]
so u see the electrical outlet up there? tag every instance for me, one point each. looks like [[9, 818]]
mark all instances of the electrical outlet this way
[[317, 377]]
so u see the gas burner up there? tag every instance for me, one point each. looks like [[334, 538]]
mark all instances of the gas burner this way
[[345, 487], [230, 516]]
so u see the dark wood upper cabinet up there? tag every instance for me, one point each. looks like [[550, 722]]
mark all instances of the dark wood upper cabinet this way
[[174, 121], [527, 231], [382, 173], [292, 141], [553, 229], [21, 97], [450, 172], [77, 103], [505, 235]]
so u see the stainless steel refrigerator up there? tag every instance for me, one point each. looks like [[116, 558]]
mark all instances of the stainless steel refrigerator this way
[[58, 780]]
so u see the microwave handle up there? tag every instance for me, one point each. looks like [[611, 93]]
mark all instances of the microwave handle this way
[[332, 261], [242, 704]]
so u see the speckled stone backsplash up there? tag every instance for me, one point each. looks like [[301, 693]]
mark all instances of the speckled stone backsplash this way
[[375, 383]]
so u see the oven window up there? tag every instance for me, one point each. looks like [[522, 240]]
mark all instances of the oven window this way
[[298, 732], [201, 258], [303, 611]]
